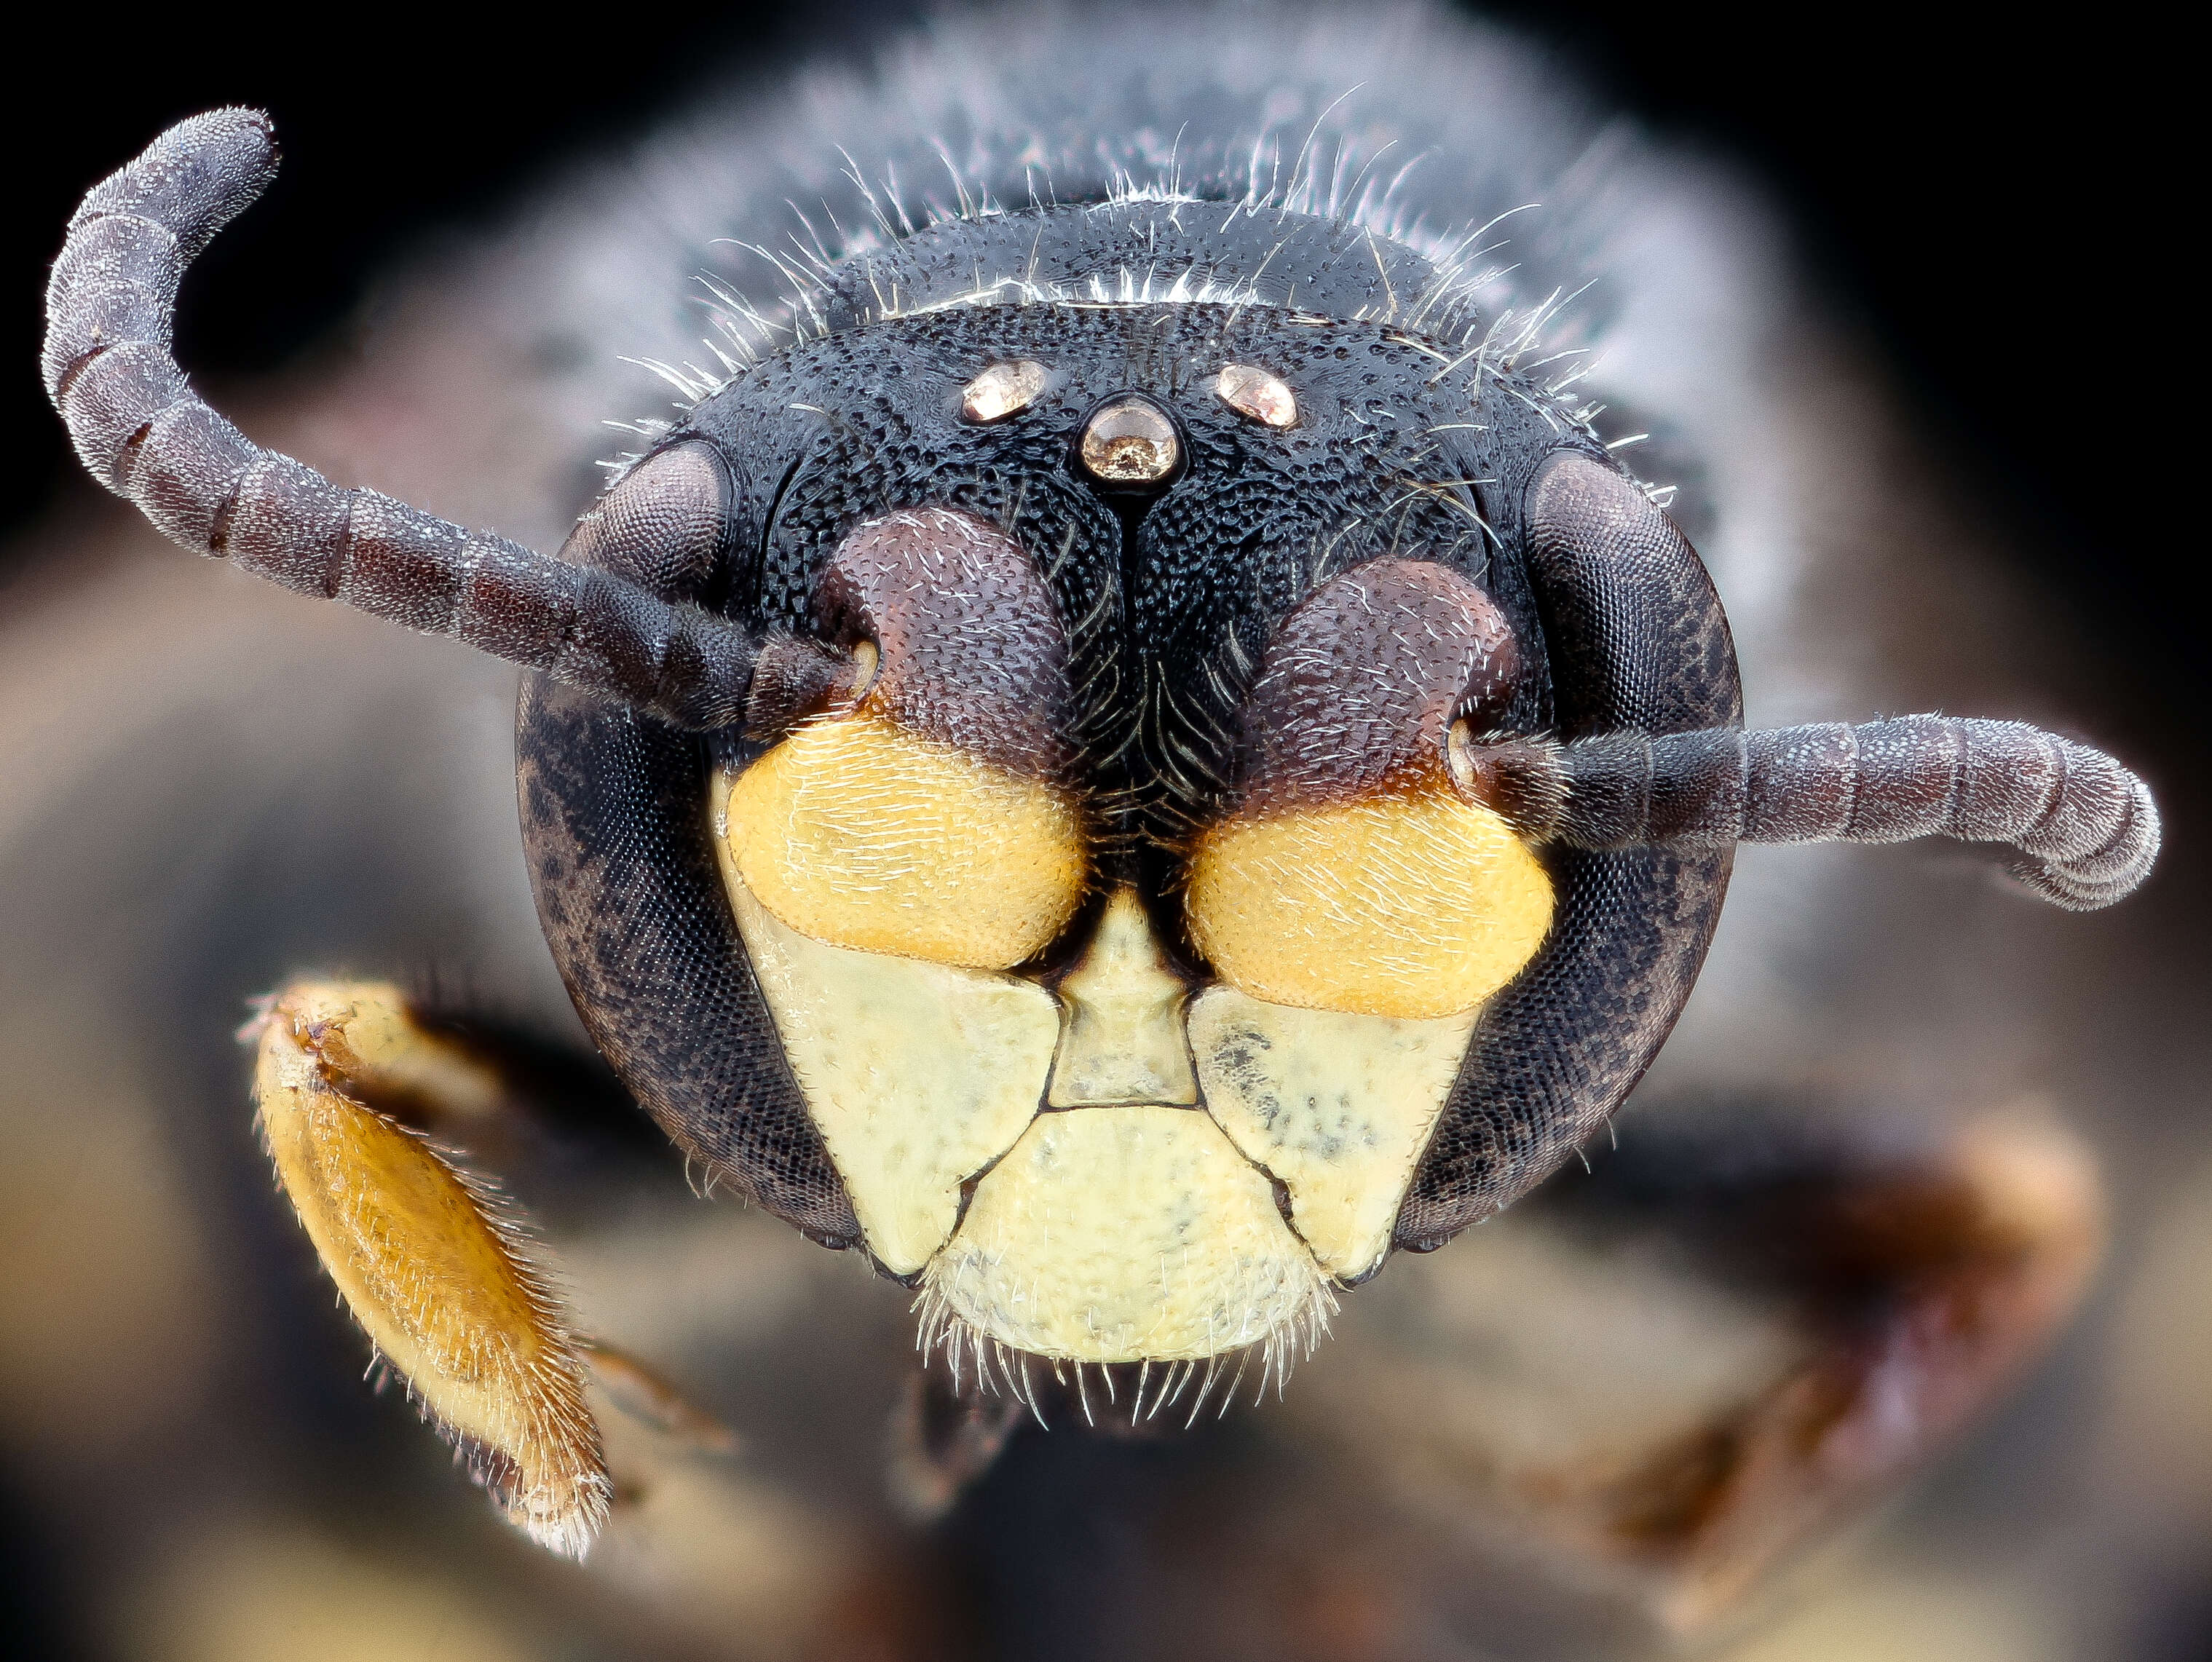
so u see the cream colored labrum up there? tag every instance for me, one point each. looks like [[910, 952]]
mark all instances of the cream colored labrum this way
[[1124, 1134]]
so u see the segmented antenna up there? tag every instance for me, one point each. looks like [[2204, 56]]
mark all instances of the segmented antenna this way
[[2084, 829], [144, 433]]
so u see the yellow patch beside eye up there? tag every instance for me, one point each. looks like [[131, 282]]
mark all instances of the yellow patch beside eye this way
[[1412, 906], [918, 1074], [857, 834]]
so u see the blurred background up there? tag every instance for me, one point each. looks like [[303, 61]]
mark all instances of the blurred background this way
[[190, 1469]]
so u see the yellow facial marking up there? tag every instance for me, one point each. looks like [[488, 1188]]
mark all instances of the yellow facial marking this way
[[1411, 905], [440, 1278], [1123, 1040], [1127, 1233], [1337, 1106], [918, 1074], [1122, 1225], [862, 836]]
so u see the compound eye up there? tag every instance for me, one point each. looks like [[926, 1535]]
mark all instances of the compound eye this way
[[930, 816], [1353, 874]]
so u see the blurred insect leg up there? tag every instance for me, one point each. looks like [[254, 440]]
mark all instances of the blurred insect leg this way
[[435, 1263], [641, 1392], [1923, 1286], [942, 1439]]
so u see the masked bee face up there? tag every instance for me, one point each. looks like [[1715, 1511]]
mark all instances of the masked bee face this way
[[1122, 925], [1105, 1115], [1115, 950]]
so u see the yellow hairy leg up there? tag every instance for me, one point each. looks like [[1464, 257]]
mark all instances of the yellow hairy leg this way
[[432, 1262]]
